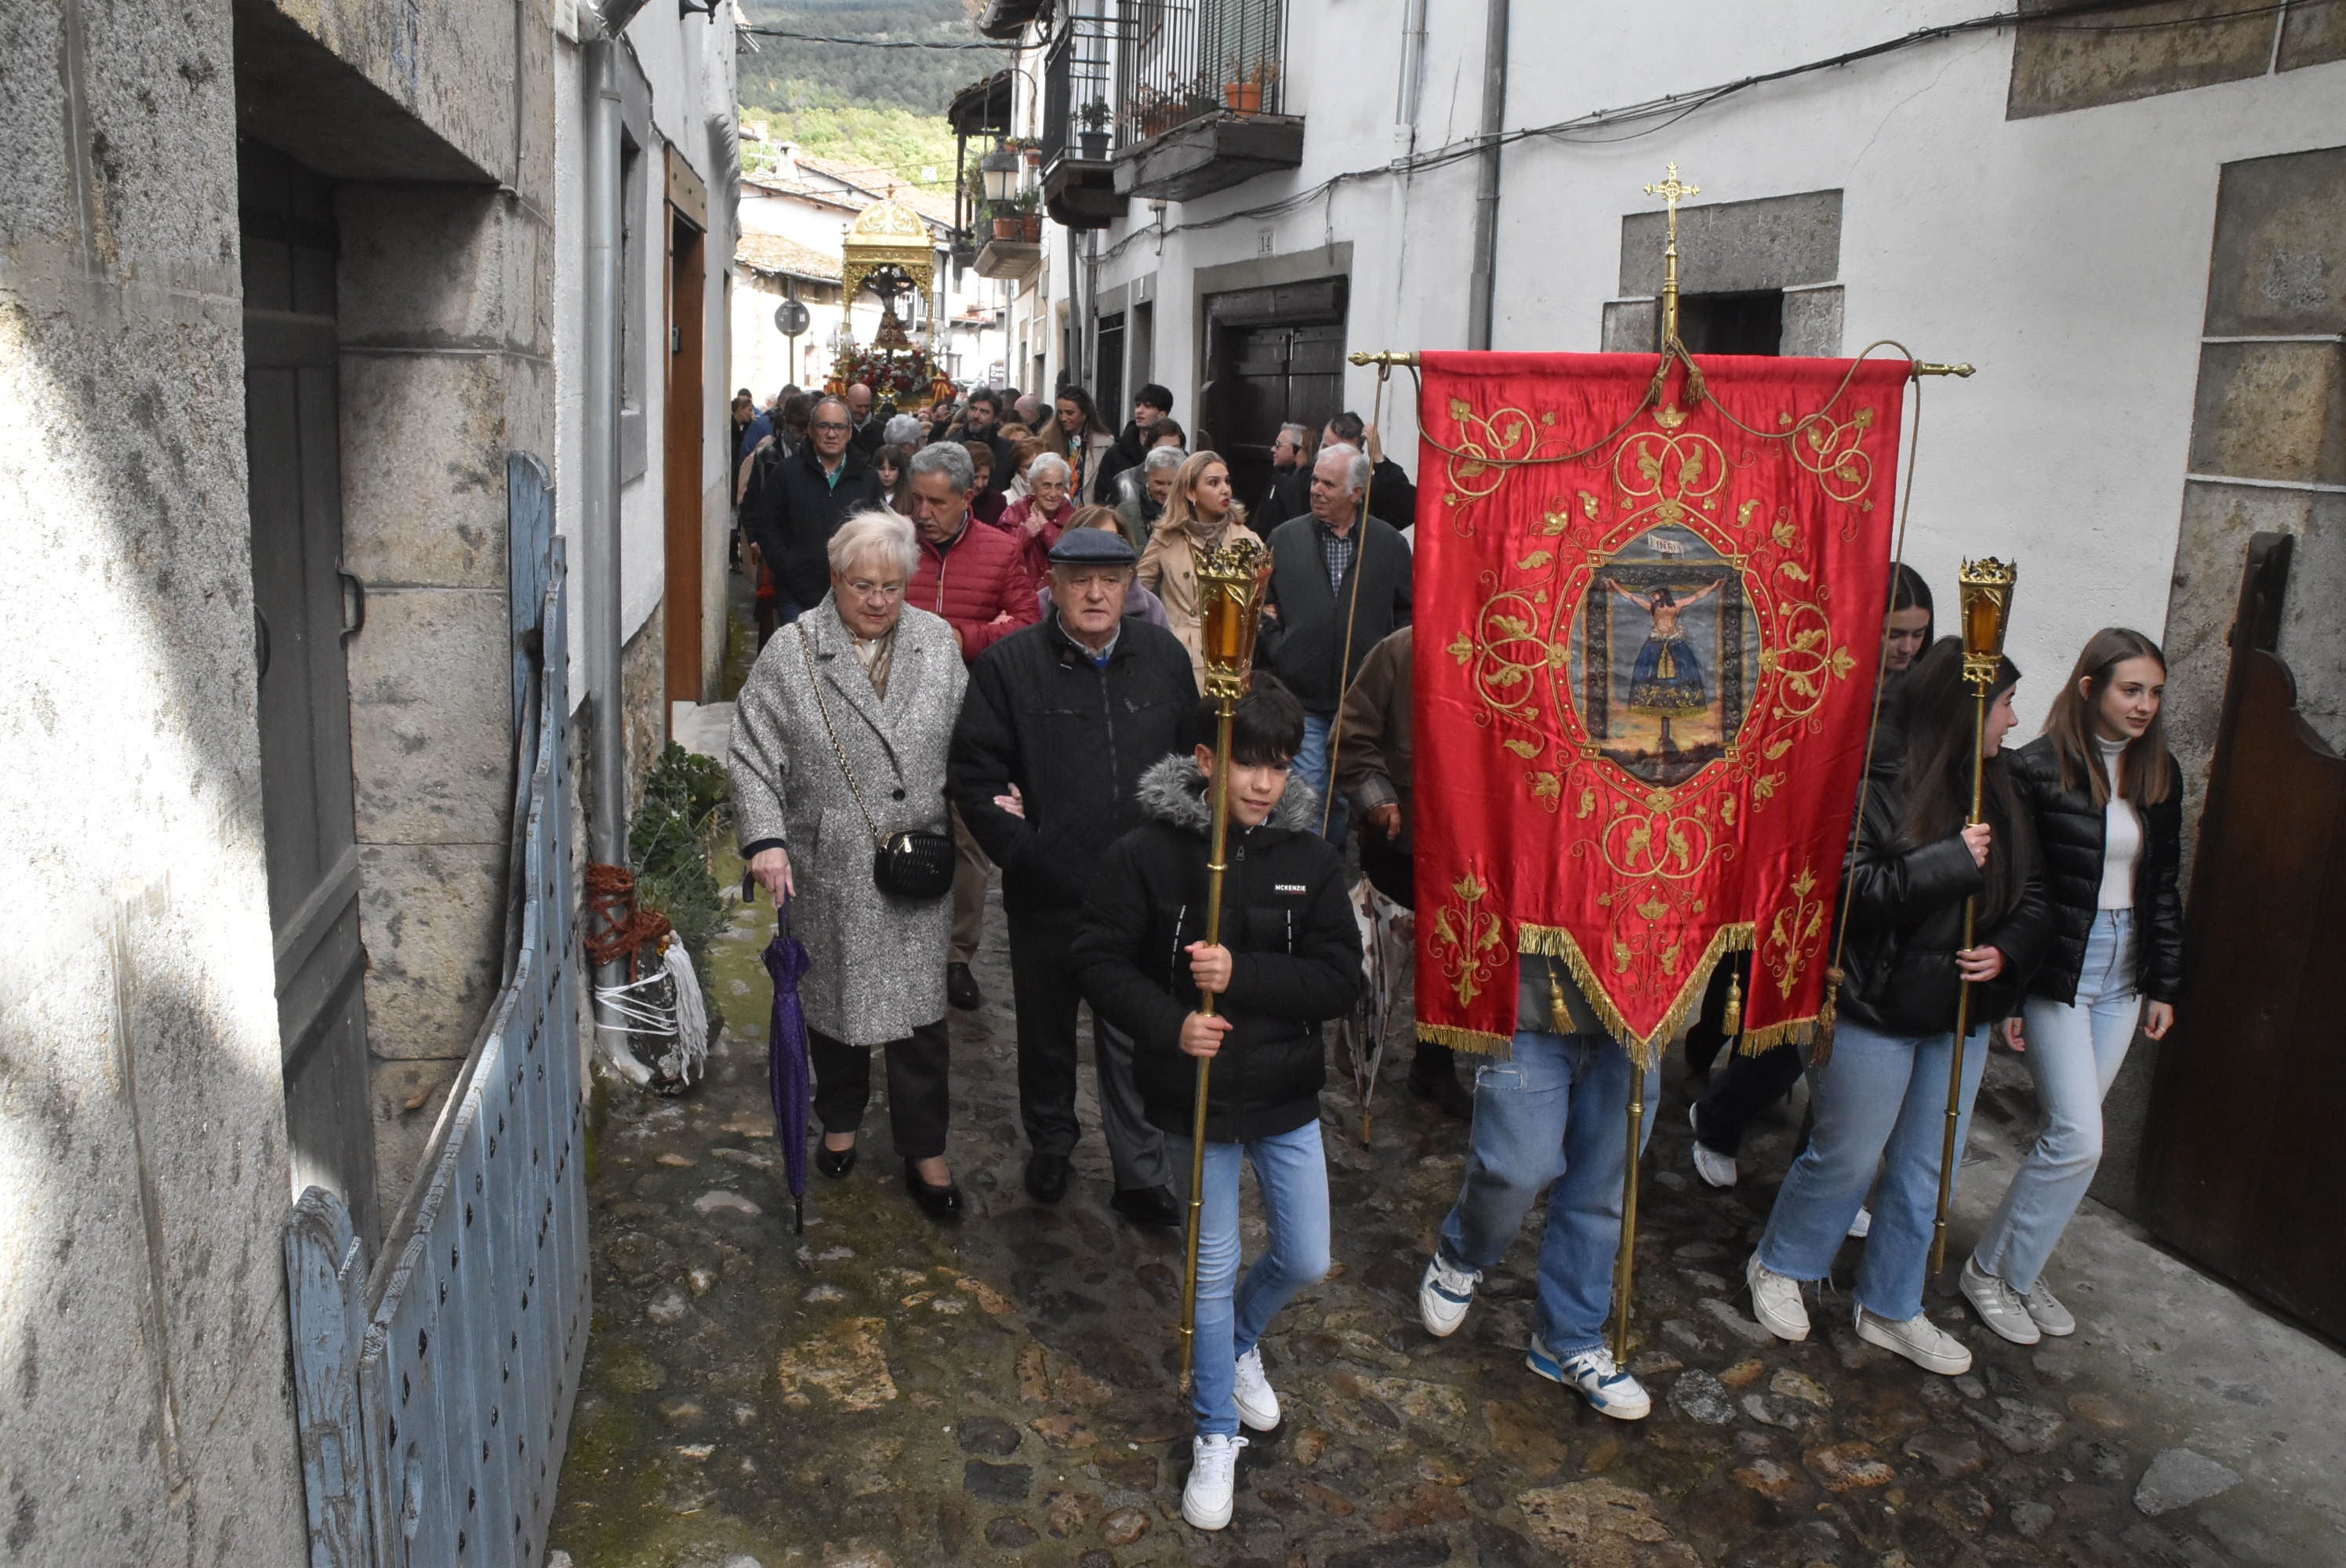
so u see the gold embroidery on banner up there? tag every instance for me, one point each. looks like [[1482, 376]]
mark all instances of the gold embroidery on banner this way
[[1466, 942], [1792, 933]]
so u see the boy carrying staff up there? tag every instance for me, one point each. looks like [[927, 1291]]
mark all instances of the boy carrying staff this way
[[1290, 958]]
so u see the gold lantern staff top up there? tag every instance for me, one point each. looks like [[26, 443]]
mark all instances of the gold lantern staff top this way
[[1986, 590]]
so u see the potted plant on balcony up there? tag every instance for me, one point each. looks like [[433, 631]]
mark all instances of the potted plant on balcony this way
[[1249, 85], [1030, 221], [1199, 98], [1007, 222], [1094, 118]]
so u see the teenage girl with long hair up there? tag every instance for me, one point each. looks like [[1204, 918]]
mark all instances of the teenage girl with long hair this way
[[2105, 801], [1881, 1096], [1076, 433]]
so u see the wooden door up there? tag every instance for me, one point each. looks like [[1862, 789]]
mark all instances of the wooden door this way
[[305, 609], [688, 422], [2240, 1166], [1274, 355]]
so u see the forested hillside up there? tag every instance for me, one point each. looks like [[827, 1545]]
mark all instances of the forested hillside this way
[[882, 106]]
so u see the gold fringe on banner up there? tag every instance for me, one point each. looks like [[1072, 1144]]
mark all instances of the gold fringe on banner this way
[[1481, 1042], [1554, 941]]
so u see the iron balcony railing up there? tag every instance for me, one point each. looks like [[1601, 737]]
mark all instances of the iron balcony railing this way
[[1184, 60], [1078, 79]]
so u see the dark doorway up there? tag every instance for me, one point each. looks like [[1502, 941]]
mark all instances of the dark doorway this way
[[1108, 386], [687, 421], [1273, 355], [2240, 1170], [1744, 323], [305, 609]]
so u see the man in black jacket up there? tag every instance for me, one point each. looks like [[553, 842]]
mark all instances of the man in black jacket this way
[[981, 420], [1149, 404], [1289, 494], [1331, 571], [1060, 719], [796, 502]]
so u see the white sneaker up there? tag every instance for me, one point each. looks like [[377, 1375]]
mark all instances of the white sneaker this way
[[1610, 1390], [1863, 1226], [1443, 1296], [1999, 1306], [1715, 1168], [1776, 1302], [2044, 1310], [1258, 1404], [1918, 1340], [1206, 1499]]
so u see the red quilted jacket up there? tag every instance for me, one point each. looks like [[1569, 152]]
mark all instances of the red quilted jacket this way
[[979, 576]]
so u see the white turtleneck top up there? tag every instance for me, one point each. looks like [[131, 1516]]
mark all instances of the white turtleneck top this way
[[2121, 834]]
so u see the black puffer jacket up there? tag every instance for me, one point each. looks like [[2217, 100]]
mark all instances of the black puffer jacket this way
[[792, 509], [1295, 948], [2070, 829], [1906, 924], [1076, 739]]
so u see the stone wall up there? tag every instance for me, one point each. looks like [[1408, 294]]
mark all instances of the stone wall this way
[[2164, 47], [643, 696], [447, 349], [143, 1159]]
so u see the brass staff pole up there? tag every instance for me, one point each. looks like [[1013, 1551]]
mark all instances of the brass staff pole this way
[[1987, 589], [1230, 583], [1624, 1262]]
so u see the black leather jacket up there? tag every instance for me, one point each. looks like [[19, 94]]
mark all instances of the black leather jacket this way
[[2069, 834], [1907, 925]]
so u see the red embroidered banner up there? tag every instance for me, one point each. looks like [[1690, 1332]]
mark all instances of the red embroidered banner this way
[[1648, 638]]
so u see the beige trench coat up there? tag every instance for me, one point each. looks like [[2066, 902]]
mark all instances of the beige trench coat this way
[[1169, 567]]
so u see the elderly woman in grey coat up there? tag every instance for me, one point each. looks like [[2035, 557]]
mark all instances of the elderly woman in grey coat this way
[[840, 739]]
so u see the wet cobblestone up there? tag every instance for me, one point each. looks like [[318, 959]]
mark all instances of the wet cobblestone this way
[[886, 1393]]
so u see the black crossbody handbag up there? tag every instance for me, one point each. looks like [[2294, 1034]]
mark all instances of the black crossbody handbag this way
[[913, 866]]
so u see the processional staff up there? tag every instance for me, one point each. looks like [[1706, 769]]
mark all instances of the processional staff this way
[[1230, 583]]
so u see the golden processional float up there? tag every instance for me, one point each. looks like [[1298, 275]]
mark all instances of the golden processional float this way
[[889, 253]]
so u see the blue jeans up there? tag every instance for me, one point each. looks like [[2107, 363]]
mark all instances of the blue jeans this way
[[2074, 1053], [1292, 1173], [1881, 1104], [1312, 767], [1555, 1111]]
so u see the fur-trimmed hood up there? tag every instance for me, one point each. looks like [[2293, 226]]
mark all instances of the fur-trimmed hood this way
[[1173, 792]]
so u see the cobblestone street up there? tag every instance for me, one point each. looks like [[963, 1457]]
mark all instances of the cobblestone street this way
[[884, 1391]]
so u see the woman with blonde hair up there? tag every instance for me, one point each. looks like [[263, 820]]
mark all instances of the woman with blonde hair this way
[[1199, 514]]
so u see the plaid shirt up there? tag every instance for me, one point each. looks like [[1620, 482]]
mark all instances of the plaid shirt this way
[[1337, 550]]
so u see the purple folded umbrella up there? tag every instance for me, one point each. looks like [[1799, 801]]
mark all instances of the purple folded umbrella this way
[[786, 1056]]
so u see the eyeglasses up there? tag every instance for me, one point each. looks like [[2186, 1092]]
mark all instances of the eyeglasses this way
[[832, 425], [865, 589]]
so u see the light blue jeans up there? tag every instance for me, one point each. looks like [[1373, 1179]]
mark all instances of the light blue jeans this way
[[1555, 1111], [1881, 1104], [2074, 1053], [1292, 1172], [1312, 767]]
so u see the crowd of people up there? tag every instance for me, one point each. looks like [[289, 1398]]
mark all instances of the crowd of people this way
[[982, 649]]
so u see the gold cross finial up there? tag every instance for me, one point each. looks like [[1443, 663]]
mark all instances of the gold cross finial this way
[[1672, 190]]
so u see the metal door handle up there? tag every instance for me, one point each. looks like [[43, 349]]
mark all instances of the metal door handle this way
[[354, 603], [259, 642]]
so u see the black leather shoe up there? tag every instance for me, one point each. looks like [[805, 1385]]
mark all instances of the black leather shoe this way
[[961, 988], [834, 1163], [1046, 1176], [937, 1201], [1147, 1205], [1434, 1080]]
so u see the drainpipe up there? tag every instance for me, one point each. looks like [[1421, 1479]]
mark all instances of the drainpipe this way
[[1412, 92], [607, 821], [1483, 279]]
